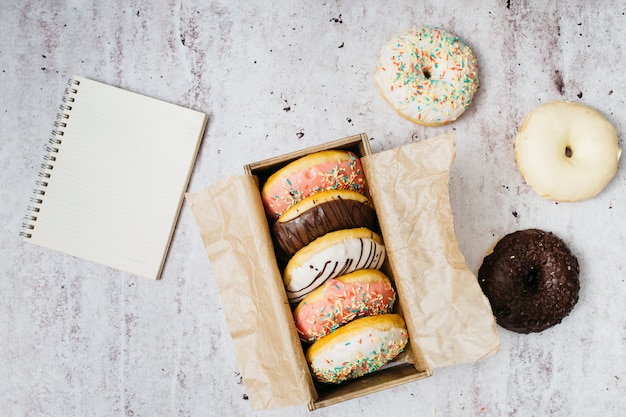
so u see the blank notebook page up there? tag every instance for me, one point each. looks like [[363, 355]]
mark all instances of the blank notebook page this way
[[112, 191]]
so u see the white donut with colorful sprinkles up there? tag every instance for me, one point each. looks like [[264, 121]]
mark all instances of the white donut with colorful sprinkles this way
[[428, 75], [358, 348]]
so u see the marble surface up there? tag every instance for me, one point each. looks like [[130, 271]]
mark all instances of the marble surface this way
[[78, 339]]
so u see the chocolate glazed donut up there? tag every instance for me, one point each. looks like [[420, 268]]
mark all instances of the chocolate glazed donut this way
[[326, 217], [531, 280]]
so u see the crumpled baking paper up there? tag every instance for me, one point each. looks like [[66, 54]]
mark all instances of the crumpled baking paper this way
[[237, 240], [448, 317]]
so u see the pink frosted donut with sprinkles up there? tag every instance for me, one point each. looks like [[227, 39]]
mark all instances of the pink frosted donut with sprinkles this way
[[338, 301], [319, 171], [428, 75]]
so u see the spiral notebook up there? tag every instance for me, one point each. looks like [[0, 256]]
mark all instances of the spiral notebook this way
[[113, 180]]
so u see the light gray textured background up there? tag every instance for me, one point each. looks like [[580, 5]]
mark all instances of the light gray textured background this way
[[78, 339]]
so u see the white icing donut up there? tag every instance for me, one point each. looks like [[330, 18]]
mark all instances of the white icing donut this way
[[332, 255], [427, 75], [361, 346], [567, 151]]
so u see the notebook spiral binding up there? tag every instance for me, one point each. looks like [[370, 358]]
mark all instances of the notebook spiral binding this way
[[52, 149]]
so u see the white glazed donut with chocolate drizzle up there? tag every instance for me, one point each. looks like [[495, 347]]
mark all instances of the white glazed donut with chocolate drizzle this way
[[332, 255]]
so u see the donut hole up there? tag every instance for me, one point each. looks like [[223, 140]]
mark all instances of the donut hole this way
[[532, 279], [568, 152], [427, 74]]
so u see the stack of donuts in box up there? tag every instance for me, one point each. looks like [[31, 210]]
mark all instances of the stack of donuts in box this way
[[325, 232]]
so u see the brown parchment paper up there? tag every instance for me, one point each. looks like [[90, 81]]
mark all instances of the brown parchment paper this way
[[448, 317], [236, 236]]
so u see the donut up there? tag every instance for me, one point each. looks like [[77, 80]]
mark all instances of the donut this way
[[360, 347], [325, 170], [332, 255], [531, 280], [321, 213], [428, 75], [366, 292], [566, 151]]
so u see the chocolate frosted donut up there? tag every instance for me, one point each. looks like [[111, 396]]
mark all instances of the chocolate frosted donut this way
[[531, 280], [321, 213]]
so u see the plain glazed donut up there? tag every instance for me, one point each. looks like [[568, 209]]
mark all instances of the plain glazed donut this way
[[321, 213], [338, 301], [531, 280], [332, 255], [360, 347], [427, 75], [566, 151], [325, 170]]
